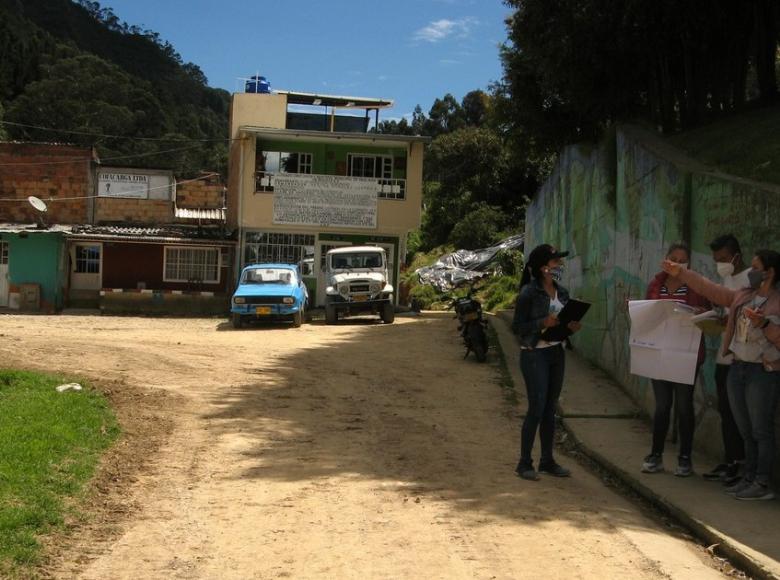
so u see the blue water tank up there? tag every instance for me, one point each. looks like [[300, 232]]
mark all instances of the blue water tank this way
[[257, 84]]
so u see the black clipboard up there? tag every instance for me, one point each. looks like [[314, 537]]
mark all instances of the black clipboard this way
[[573, 311]]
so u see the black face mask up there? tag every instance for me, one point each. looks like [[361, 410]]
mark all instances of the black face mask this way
[[756, 277]]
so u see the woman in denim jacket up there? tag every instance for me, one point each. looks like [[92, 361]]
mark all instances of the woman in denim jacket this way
[[540, 300]]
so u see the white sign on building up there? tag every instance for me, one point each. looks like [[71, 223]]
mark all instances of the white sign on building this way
[[134, 185], [325, 200]]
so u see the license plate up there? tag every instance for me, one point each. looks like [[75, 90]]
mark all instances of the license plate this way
[[263, 310], [360, 298], [470, 316]]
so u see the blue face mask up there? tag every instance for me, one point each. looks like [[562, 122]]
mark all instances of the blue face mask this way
[[756, 278], [557, 273]]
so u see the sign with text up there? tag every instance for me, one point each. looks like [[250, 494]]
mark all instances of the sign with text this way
[[325, 200], [133, 185]]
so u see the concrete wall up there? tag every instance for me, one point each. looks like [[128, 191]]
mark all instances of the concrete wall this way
[[617, 207]]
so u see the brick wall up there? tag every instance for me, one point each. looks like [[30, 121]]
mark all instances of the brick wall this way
[[47, 171], [133, 211], [205, 194]]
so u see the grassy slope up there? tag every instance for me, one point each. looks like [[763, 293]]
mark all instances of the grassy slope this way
[[50, 444], [746, 145]]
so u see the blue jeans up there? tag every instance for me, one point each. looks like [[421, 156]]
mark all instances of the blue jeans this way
[[753, 395], [542, 370]]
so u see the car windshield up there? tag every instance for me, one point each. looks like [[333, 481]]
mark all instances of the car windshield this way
[[269, 276], [356, 260]]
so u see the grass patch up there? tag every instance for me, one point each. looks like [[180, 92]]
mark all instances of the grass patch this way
[[744, 144], [50, 444]]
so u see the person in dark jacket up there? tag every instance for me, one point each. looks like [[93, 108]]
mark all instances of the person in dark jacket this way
[[540, 300], [667, 287]]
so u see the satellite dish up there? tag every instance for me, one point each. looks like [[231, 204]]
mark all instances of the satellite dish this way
[[37, 203]]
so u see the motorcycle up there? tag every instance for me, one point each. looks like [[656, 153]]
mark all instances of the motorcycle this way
[[472, 325]]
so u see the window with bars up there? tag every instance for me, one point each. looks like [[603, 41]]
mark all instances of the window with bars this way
[[270, 163], [379, 166], [3, 253], [187, 264], [277, 247], [87, 259]]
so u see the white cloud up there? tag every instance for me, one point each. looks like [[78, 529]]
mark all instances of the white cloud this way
[[440, 29]]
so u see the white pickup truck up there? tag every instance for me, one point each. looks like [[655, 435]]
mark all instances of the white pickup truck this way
[[357, 282]]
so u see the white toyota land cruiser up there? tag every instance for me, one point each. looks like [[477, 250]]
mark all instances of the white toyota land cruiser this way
[[357, 282]]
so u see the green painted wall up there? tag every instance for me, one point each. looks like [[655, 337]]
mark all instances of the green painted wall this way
[[617, 207], [37, 259], [326, 156]]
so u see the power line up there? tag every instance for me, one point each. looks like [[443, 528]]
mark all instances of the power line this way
[[53, 199], [109, 136], [82, 159]]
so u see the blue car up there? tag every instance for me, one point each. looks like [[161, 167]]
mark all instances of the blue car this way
[[269, 292]]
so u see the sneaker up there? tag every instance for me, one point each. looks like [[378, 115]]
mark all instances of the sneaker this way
[[527, 472], [716, 473], [733, 474], [756, 492], [653, 463], [742, 484], [554, 469], [684, 467]]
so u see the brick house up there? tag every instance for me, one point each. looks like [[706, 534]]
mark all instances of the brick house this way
[[118, 238]]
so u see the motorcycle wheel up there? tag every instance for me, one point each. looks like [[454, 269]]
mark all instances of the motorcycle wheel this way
[[478, 342]]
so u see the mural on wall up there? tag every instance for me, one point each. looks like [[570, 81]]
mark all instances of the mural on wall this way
[[616, 208]]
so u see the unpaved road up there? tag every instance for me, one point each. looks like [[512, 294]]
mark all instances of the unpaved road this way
[[355, 451]]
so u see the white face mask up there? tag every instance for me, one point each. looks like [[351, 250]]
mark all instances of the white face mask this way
[[725, 269], [683, 265]]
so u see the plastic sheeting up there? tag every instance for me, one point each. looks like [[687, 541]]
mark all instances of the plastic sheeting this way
[[453, 270]]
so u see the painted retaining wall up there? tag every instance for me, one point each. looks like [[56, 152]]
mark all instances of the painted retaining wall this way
[[617, 207]]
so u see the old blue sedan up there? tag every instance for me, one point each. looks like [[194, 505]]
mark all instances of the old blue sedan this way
[[269, 292]]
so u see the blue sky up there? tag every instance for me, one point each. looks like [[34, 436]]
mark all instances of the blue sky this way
[[412, 51]]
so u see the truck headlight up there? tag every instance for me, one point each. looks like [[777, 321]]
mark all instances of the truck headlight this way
[[374, 288], [288, 300], [239, 300], [344, 290]]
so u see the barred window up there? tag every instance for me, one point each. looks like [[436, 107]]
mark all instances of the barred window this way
[[277, 247], [188, 264]]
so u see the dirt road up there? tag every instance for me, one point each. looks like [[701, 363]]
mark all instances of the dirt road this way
[[356, 451]]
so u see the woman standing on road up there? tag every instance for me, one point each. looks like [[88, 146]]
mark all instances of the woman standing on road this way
[[666, 286], [753, 336], [540, 300]]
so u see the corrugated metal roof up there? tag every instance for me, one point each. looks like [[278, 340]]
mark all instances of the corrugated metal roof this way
[[142, 234], [34, 229], [200, 214]]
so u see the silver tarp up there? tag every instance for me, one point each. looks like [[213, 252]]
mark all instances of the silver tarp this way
[[452, 270]]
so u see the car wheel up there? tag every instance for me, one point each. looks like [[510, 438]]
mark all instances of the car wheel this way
[[238, 321], [388, 313], [298, 318]]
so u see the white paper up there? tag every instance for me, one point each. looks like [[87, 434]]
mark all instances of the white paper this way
[[664, 341]]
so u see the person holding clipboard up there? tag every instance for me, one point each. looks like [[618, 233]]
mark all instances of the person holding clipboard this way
[[542, 322]]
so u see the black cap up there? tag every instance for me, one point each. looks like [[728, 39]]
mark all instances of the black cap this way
[[542, 254]]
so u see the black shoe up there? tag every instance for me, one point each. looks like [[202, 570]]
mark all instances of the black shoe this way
[[554, 469], [653, 463], [526, 471], [684, 467], [717, 473], [733, 474]]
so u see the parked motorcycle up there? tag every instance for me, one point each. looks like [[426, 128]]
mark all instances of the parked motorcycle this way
[[468, 311]]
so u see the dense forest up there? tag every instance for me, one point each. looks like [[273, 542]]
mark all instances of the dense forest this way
[[572, 70], [76, 66]]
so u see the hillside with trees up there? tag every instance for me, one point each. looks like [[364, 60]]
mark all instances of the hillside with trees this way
[[75, 67]]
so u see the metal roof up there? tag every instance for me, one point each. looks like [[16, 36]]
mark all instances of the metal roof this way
[[34, 229], [200, 214], [147, 234], [294, 134], [339, 101]]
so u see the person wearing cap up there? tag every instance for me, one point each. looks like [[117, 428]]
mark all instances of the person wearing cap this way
[[668, 287], [540, 300]]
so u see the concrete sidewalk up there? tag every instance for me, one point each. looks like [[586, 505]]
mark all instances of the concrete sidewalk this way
[[608, 427]]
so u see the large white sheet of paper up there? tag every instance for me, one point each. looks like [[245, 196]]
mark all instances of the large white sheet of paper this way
[[664, 341]]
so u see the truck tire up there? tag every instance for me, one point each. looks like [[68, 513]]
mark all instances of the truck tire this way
[[388, 313], [237, 321], [331, 316]]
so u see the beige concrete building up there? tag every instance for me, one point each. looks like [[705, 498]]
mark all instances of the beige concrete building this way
[[304, 179]]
